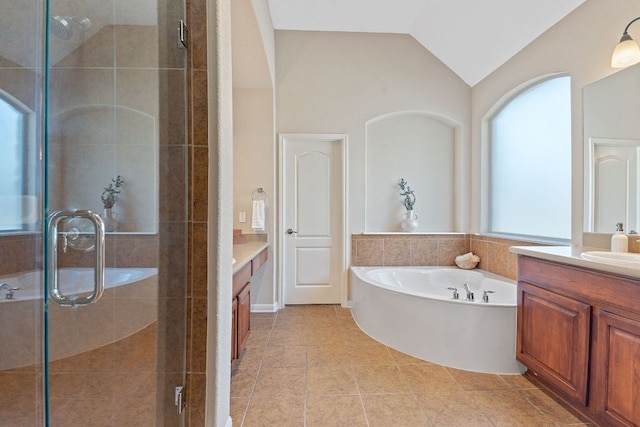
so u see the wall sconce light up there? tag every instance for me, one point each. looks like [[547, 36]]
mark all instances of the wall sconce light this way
[[627, 52]]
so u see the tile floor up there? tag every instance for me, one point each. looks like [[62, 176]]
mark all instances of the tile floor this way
[[312, 366]]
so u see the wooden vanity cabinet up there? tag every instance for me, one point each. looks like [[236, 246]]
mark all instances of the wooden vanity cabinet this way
[[578, 334], [616, 391], [553, 339], [241, 304]]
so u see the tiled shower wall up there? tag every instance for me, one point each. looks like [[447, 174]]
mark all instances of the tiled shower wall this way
[[434, 249], [198, 130]]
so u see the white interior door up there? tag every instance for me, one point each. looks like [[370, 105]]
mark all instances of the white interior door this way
[[312, 225]]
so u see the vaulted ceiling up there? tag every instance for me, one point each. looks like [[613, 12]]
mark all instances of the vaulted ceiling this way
[[472, 37]]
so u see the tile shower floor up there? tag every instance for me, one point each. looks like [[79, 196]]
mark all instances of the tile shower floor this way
[[313, 366]]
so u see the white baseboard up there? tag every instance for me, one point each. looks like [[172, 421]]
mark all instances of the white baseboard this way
[[264, 308]]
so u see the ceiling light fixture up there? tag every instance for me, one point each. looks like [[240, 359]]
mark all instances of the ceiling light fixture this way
[[627, 52]]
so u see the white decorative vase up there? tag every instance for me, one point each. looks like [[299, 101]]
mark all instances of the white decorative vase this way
[[409, 221], [109, 217]]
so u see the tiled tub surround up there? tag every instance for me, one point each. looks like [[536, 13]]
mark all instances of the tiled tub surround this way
[[413, 249], [311, 365]]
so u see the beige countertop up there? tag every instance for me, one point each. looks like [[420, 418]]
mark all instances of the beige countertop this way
[[244, 252], [572, 255]]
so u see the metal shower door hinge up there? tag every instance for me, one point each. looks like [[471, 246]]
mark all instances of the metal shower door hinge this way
[[179, 399], [182, 35]]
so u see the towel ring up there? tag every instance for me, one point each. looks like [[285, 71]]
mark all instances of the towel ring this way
[[259, 194]]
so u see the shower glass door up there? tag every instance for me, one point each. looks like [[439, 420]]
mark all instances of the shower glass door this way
[[115, 146]]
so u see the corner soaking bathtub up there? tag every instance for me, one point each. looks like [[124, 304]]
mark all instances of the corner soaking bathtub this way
[[412, 310], [129, 304]]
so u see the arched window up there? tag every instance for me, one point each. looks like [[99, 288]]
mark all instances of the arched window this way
[[15, 150], [530, 162]]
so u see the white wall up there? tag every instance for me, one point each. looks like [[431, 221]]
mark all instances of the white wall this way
[[336, 82], [421, 150], [581, 45], [254, 130], [253, 167]]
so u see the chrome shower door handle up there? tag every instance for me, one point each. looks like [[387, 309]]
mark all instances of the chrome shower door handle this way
[[52, 263]]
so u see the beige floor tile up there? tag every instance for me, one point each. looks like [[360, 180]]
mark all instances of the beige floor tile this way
[[321, 311], [404, 359], [397, 410], [380, 379], [243, 382], [324, 336], [452, 409], [329, 411], [477, 381], [291, 322], [518, 381], [262, 325], [369, 354], [509, 408], [251, 358], [324, 380], [423, 378], [356, 336], [313, 366], [258, 338], [280, 382], [297, 336], [320, 355], [238, 408], [255, 316], [550, 407], [344, 312], [323, 322], [270, 412], [285, 357]]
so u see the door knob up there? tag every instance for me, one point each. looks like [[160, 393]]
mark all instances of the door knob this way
[[291, 231]]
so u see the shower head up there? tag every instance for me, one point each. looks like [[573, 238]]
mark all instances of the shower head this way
[[62, 26]]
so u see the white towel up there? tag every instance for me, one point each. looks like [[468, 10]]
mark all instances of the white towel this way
[[257, 220]]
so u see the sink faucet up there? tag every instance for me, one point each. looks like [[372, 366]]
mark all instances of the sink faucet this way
[[9, 294], [469, 293]]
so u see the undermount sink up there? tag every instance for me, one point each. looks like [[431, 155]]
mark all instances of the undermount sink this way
[[617, 258]]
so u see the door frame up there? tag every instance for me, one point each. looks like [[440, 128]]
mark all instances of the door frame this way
[[288, 138]]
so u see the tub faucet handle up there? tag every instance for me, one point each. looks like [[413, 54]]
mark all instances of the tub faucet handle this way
[[485, 295], [9, 294], [470, 296], [455, 292]]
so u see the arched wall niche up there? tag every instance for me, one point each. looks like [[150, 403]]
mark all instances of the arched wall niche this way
[[423, 148]]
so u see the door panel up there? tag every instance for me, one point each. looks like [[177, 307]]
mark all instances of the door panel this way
[[616, 390], [312, 207], [553, 339], [114, 69]]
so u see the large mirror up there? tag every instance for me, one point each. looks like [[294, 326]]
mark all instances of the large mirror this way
[[612, 152]]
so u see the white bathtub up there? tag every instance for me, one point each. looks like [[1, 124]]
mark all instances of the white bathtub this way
[[411, 310], [129, 304]]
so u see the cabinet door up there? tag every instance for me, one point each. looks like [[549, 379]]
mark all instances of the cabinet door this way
[[234, 329], [244, 316], [553, 340], [616, 389]]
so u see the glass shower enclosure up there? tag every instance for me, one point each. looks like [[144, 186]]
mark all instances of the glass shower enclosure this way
[[93, 212]]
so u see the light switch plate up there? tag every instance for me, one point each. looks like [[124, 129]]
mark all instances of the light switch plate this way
[[242, 217]]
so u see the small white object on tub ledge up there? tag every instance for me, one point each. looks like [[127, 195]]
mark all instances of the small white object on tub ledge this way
[[467, 261]]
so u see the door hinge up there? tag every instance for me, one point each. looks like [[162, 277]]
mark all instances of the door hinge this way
[[179, 399], [182, 35]]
